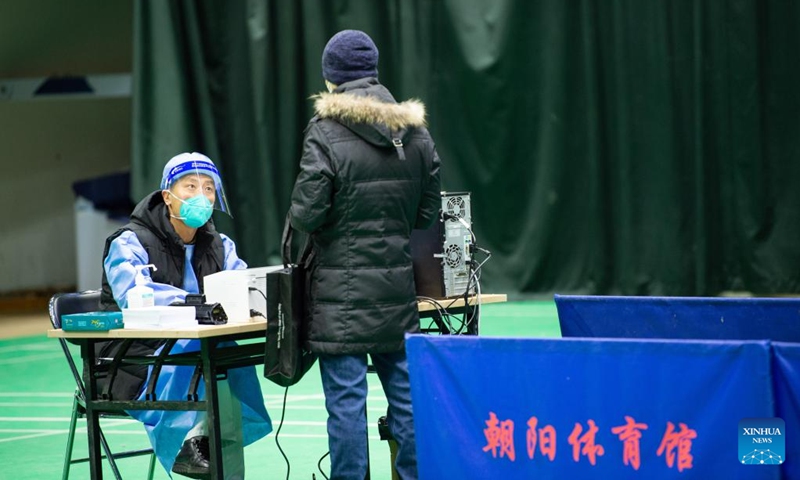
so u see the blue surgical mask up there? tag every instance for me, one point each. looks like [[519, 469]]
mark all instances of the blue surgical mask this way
[[195, 211]]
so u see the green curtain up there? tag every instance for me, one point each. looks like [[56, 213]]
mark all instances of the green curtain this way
[[610, 146]]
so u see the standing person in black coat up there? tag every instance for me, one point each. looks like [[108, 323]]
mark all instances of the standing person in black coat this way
[[368, 176]]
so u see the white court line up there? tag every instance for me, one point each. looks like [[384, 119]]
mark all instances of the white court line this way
[[35, 394], [31, 358], [29, 430], [273, 406], [34, 419], [278, 402], [296, 398], [38, 433], [303, 423], [64, 432], [313, 396], [108, 421], [45, 433], [25, 437], [77, 430], [27, 346], [122, 421], [313, 435], [270, 404], [107, 429]]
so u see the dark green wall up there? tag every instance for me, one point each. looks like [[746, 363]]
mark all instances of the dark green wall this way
[[621, 147]]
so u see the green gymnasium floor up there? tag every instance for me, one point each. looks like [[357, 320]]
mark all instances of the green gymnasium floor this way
[[36, 400]]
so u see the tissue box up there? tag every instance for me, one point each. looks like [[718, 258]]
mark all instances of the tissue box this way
[[91, 321]]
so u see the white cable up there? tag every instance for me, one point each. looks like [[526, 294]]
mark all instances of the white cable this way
[[475, 311], [468, 227], [478, 319], [476, 274]]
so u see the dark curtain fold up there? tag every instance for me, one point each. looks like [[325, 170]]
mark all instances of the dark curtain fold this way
[[611, 147]]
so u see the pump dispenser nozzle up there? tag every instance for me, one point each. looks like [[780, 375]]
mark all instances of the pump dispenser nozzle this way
[[140, 278]]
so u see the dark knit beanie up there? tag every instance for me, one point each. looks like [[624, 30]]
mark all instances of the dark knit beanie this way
[[349, 55]]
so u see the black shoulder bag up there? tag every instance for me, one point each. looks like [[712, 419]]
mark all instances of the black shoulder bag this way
[[286, 360]]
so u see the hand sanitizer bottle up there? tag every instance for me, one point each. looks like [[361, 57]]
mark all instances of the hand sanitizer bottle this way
[[141, 295]]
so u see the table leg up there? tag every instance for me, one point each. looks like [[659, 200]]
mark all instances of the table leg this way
[[212, 406], [439, 321], [472, 312], [92, 419], [230, 433]]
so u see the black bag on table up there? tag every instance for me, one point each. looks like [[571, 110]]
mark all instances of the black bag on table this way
[[286, 360]]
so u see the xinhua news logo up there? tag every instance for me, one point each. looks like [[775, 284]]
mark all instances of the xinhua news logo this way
[[762, 441]]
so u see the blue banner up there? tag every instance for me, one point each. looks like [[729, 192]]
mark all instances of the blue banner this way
[[715, 318], [786, 378], [493, 408]]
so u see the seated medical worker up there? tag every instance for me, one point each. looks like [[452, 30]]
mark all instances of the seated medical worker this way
[[172, 229]]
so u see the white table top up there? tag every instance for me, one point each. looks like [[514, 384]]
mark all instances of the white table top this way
[[189, 331], [458, 302], [256, 324]]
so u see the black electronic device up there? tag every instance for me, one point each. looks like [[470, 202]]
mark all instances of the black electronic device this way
[[428, 275], [205, 313]]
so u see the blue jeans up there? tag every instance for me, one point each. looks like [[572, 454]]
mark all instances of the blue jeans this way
[[344, 381]]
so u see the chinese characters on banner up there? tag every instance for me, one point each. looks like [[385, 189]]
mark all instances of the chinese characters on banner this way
[[675, 446], [590, 408]]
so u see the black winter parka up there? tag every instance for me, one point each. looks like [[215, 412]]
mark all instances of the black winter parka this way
[[369, 174]]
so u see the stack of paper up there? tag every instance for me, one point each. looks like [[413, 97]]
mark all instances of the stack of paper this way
[[159, 317]]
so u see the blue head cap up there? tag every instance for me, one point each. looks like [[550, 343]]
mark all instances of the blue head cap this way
[[349, 55], [198, 164], [185, 163]]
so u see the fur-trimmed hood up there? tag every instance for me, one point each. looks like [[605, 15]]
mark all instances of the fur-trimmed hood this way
[[351, 108], [367, 109]]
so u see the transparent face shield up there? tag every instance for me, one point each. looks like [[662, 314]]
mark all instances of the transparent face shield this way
[[197, 177]]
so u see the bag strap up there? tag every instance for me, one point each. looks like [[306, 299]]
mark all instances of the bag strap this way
[[303, 256], [286, 241]]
